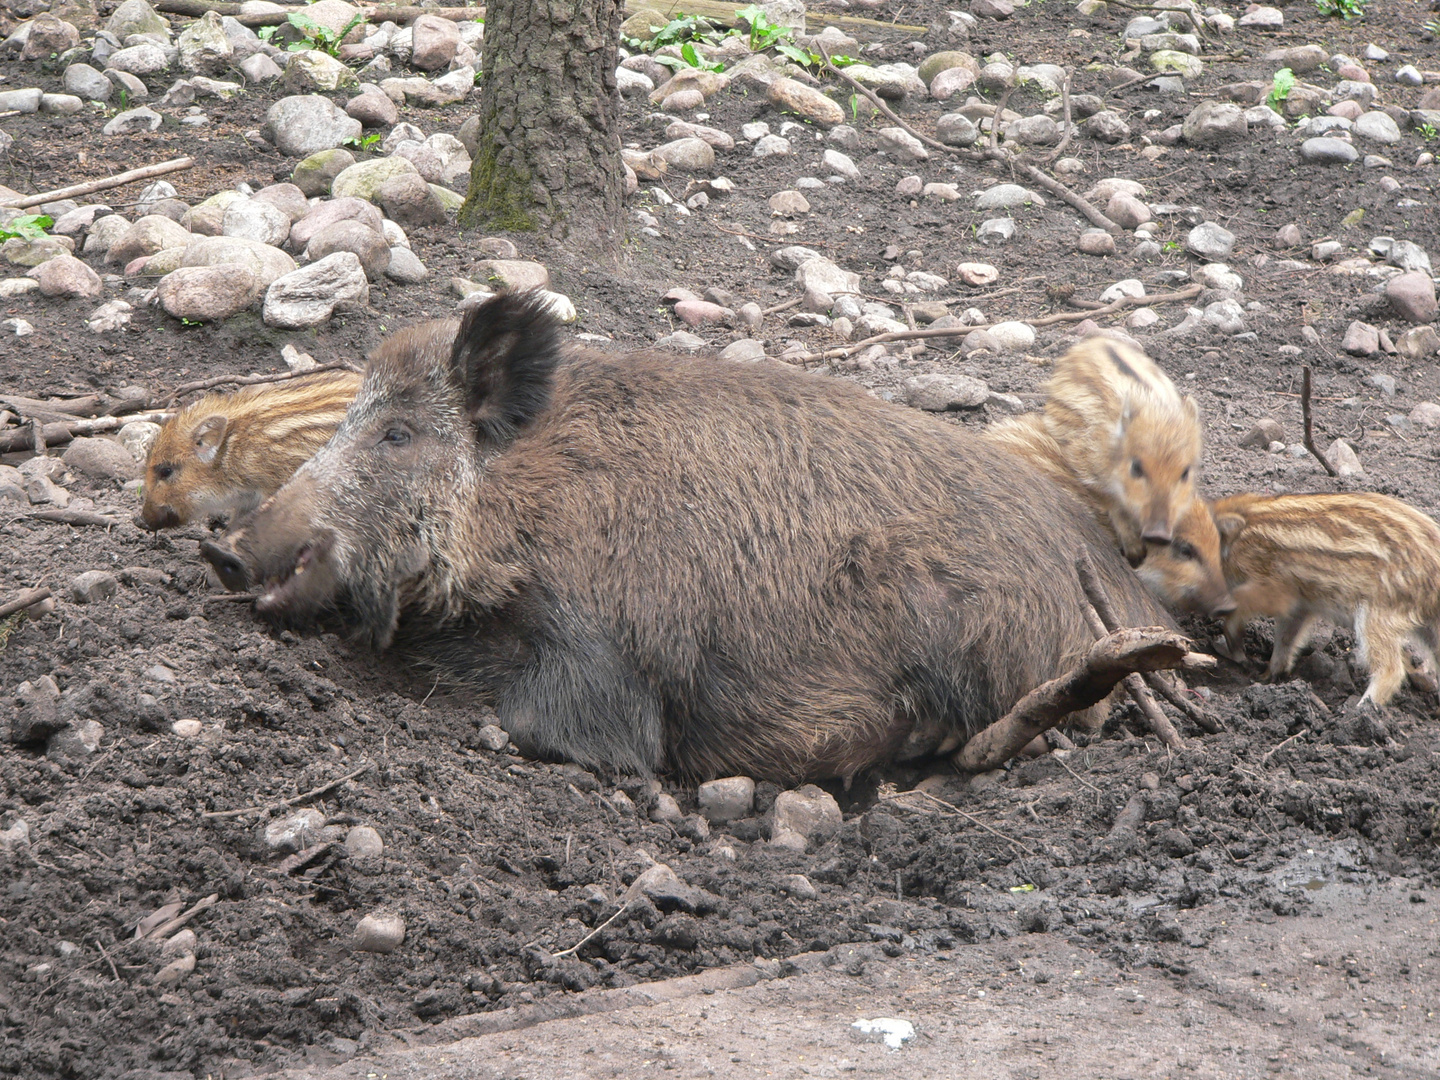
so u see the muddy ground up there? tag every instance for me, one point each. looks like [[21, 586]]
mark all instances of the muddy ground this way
[[496, 862]]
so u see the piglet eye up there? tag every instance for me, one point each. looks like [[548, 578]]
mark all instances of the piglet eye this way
[[1182, 550], [396, 437], [1185, 475], [164, 472], [1136, 469]]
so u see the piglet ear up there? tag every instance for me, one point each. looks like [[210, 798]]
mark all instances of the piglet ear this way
[[1229, 526], [207, 437], [504, 360]]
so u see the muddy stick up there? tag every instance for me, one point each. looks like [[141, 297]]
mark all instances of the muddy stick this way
[[624, 907], [293, 800], [254, 380], [940, 806], [74, 517], [1309, 422], [92, 186], [1095, 592], [995, 118], [1069, 128], [28, 598], [72, 408], [1202, 718], [1114, 658]]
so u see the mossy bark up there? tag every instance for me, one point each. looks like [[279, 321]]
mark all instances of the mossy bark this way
[[549, 143]]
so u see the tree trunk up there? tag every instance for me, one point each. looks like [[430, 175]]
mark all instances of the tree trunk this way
[[549, 143]]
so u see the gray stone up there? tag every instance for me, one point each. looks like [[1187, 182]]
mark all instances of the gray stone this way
[[1377, 127], [493, 738], [207, 293], [805, 101], [363, 179], [1361, 339], [1038, 130], [809, 812], [1107, 126], [1324, 150], [367, 245], [514, 274], [955, 129], [84, 81], [147, 58], [309, 296], [100, 459], [373, 109], [1418, 342], [65, 276], [1346, 462], [825, 276], [1095, 242], [1353, 90], [1412, 296], [434, 42], [131, 120], [304, 125], [203, 46], [285, 197], [1005, 196], [109, 317], [687, 155], [136, 17], [792, 257], [21, 101], [255, 220], [406, 267], [1127, 211], [331, 211], [996, 231], [93, 586], [260, 69], [361, 842], [1214, 123], [381, 932], [264, 262], [1013, 336], [1408, 256], [728, 799], [1426, 415], [294, 832], [941, 392], [1265, 432], [39, 714], [1210, 241], [1226, 316], [316, 173], [146, 236]]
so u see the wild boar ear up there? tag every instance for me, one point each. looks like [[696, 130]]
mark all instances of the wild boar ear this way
[[1229, 526], [504, 360], [207, 437], [1192, 408]]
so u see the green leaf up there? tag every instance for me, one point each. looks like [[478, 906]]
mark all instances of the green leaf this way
[[1027, 887]]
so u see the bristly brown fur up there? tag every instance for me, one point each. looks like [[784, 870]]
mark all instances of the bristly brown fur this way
[[1128, 435], [1361, 560], [684, 564], [226, 453]]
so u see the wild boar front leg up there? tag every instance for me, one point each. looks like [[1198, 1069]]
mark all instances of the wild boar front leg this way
[[1291, 633]]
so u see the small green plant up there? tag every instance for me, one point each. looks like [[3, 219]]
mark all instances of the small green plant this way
[[1171, 246], [1427, 131], [689, 57], [265, 33], [190, 322], [1280, 88], [1344, 9], [319, 37], [26, 227], [763, 33], [124, 99], [363, 142]]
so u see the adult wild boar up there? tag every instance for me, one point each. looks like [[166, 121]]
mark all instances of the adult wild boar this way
[[654, 562]]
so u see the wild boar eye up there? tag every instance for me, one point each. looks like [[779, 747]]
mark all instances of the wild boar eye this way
[[1185, 475], [396, 437], [1136, 469], [164, 472], [1182, 550]]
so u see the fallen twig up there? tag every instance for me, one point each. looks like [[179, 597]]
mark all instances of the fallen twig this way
[[1095, 592], [197, 8], [254, 380], [942, 807], [1137, 82], [1069, 122], [1202, 718], [1188, 293], [92, 186], [74, 517], [1309, 428], [1110, 660], [1281, 745], [995, 119], [28, 598], [624, 907], [293, 800], [58, 434]]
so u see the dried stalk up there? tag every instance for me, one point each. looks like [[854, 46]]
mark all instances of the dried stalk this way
[[255, 380], [285, 804], [89, 188], [1069, 129], [23, 437], [1309, 427], [28, 598], [1095, 592]]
